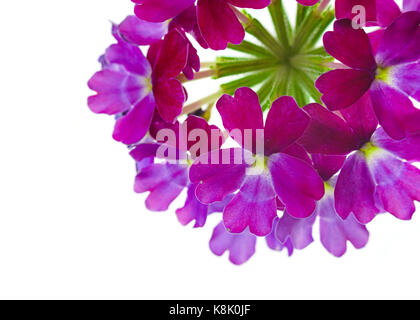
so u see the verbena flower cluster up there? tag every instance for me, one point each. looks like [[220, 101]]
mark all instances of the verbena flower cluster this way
[[323, 122]]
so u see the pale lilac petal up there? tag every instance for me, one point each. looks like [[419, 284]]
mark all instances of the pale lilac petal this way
[[350, 46], [407, 148], [241, 247], [133, 126], [327, 165], [219, 24], [297, 184], [216, 181], [406, 77], [327, 133], [401, 41], [335, 232], [192, 210], [394, 110], [298, 231], [343, 87], [274, 244], [354, 192], [284, 125], [130, 57], [411, 5], [159, 11], [254, 206], [164, 182], [398, 184], [141, 32]]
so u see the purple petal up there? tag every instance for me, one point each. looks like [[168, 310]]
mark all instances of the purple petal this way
[[375, 39], [406, 77], [192, 210], [219, 24], [411, 5], [335, 232], [361, 118], [355, 189], [407, 148], [394, 110], [398, 184], [350, 46], [343, 87], [241, 247], [133, 126], [298, 231], [308, 2], [326, 165], [274, 244], [164, 181], [241, 112], [130, 57], [297, 184], [401, 41], [144, 151], [284, 125], [327, 133], [141, 32], [216, 181], [254, 206], [159, 11]]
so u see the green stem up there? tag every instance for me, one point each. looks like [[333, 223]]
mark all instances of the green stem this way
[[198, 104], [281, 22]]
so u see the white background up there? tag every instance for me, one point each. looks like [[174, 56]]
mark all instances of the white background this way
[[70, 224]]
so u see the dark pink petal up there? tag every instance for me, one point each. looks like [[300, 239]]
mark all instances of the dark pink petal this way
[[327, 133], [308, 2], [406, 77], [297, 151], [254, 206], [296, 183], [274, 244], [164, 182], [401, 41], [326, 165], [172, 57], [398, 185], [298, 231], [386, 12], [411, 5], [375, 39], [407, 148], [170, 97], [361, 118], [335, 232], [219, 24], [343, 87], [141, 32], [159, 11], [133, 126], [350, 46], [241, 112], [216, 181], [241, 247], [251, 4], [355, 189], [144, 150], [394, 110], [344, 8], [284, 125], [192, 210]]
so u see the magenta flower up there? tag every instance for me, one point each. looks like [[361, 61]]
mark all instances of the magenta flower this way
[[283, 175], [390, 77], [307, 2], [377, 177], [241, 246], [217, 20], [130, 86]]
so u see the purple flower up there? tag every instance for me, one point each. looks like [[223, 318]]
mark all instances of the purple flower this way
[[130, 86], [241, 246], [141, 32], [217, 20], [292, 180], [389, 77], [376, 177]]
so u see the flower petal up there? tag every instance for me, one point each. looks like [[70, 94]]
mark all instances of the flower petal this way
[[274, 244], [350, 46], [406, 77], [170, 98], [141, 32], [394, 110], [299, 231], [355, 189], [308, 2], [254, 206], [296, 183], [192, 210], [343, 87], [284, 125], [344, 8], [159, 11], [411, 5], [251, 4], [327, 165]]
